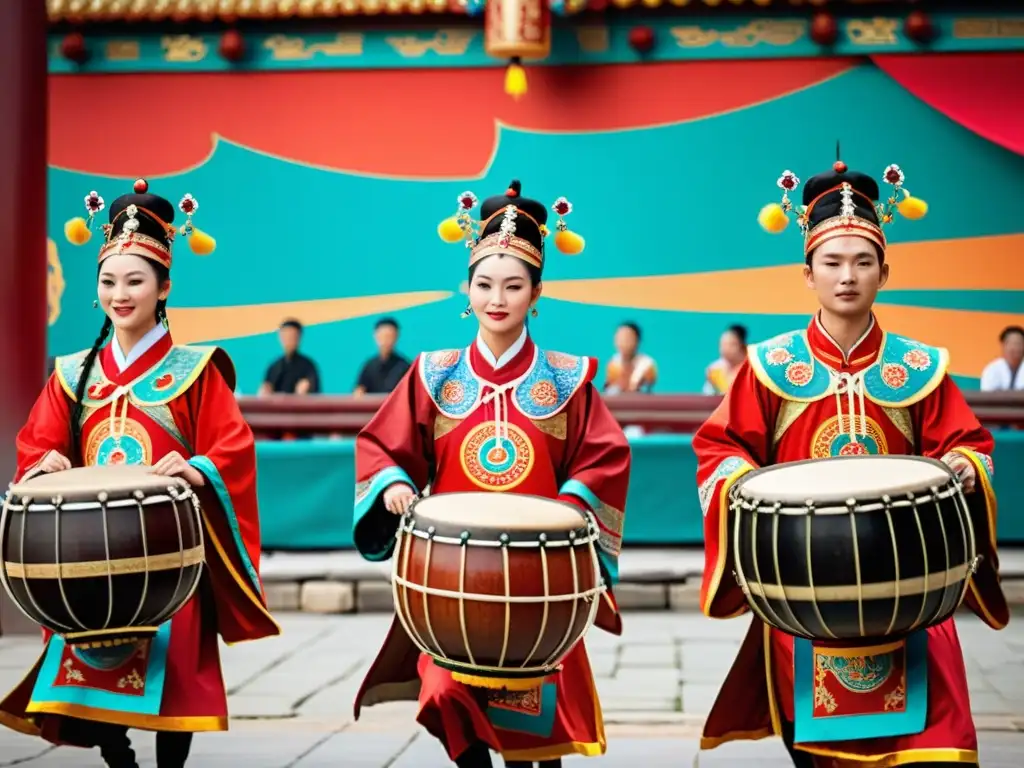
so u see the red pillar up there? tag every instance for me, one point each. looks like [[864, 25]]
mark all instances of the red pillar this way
[[22, 231]]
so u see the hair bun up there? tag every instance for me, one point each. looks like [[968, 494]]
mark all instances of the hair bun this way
[[141, 186], [514, 188]]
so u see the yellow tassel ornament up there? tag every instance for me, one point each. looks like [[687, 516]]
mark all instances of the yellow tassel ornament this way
[[773, 218], [450, 230], [515, 79], [201, 243], [911, 207], [77, 231], [566, 241]]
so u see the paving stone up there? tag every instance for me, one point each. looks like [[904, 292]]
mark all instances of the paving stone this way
[[602, 662], [283, 596], [697, 698], [684, 597], [327, 597], [355, 750], [374, 597], [632, 655], [633, 597]]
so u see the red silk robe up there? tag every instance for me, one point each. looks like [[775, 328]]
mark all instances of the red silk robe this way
[[562, 443], [171, 399], [783, 407]]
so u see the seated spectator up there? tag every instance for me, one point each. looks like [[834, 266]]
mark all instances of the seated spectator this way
[[1006, 373], [629, 370], [381, 373], [293, 373], [732, 350]]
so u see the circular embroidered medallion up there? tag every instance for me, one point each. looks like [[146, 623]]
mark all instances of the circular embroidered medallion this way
[[799, 373], [496, 464], [894, 375], [131, 447], [860, 674], [452, 392], [831, 439], [562, 360], [444, 359], [918, 359], [544, 393], [778, 356], [164, 382]]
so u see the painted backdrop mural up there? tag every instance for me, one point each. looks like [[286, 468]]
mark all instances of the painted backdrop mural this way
[[324, 190]]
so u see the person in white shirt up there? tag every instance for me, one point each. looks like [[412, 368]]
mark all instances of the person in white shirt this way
[[1006, 373]]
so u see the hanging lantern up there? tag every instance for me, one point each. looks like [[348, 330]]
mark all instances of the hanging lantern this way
[[516, 30]]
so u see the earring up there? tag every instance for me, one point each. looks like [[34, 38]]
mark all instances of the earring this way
[[466, 312], [534, 312], [95, 303]]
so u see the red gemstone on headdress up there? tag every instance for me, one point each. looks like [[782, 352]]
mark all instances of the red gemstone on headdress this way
[[511, 193], [141, 186], [839, 166]]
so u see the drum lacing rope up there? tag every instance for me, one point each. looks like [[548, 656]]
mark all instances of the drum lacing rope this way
[[851, 385], [500, 397]]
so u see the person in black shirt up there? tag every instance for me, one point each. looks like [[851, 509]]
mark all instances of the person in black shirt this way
[[293, 372], [382, 373]]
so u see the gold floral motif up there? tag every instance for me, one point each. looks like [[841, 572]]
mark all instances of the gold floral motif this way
[[444, 42], [443, 425], [822, 696], [185, 48], [770, 32], [592, 38], [133, 679], [520, 701], [123, 50], [895, 699], [556, 426], [877, 31], [988, 29], [54, 282], [71, 673], [287, 48]]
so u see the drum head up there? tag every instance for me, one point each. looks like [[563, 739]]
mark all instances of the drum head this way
[[84, 483], [509, 512], [834, 481]]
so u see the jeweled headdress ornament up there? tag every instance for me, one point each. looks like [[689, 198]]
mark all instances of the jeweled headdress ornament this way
[[140, 224], [509, 224], [842, 202]]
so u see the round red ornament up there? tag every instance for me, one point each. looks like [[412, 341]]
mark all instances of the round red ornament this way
[[824, 30], [919, 27], [232, 45], [72, 48], [641, 39]]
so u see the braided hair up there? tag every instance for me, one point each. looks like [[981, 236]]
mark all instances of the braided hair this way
[[162, 276]]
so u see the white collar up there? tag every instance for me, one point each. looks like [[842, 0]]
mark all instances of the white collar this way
[[153, 335], [509, 353], [845, 356]]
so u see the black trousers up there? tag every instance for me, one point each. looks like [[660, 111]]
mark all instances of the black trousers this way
[[116, 748], [806, 760]]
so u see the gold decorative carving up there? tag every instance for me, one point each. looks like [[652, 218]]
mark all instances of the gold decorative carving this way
[[444, 42], [287, 48], [876, 31], [770, 32], [123, 50], [988, 29], [184, 48], [593, 39], [54, 282]]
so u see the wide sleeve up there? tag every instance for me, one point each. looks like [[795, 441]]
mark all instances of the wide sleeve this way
[[396, 446], [945, 424], [48, 428], [735, 439], [224, 451]]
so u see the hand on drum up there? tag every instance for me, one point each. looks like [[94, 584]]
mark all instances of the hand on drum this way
[[398, 497], [174, 465], [963, 468], [54, 461]]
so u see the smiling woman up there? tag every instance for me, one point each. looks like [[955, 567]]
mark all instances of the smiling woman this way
[[142, 400]]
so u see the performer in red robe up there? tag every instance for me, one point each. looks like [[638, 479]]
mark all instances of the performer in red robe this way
[[844, 387], [501, 415], [141, 399]]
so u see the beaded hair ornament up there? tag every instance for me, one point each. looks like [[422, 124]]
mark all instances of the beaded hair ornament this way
[[462, 226], [129, 240], [774, 217]]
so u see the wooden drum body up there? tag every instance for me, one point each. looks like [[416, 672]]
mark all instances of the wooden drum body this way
[[497, 588], [101, 555], [852, 548]]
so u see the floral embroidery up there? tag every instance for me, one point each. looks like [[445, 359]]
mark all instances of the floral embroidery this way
[[778, 356], [895, 375], [71, 673], [822, 696], [561, 360], [517, 701], [918, 359], [445, 358], [133, 679], [799, 373], [895, 699], [452, 392], [722, 471], [544, 393]]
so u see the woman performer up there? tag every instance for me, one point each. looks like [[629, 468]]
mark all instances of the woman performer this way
[[142, 400], [557, 439]]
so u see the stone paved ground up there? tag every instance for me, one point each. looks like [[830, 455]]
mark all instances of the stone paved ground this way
[[291, 698]]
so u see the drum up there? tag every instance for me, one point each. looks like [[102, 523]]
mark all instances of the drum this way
[[101, 555], [497, 588], [856, 547]]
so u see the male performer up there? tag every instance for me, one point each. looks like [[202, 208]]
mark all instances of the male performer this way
[[844, 387]]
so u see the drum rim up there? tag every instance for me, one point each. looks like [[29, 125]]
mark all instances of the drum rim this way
[[833, 500], [160, 483], [491, 535]]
